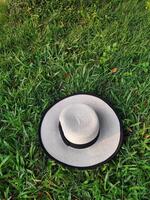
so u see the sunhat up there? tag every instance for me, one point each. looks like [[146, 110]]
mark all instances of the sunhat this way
[[81, 131]]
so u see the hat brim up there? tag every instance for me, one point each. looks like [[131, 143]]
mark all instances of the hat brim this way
[[104, 149]]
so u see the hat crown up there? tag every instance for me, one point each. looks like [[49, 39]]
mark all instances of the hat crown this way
[[80, 123]]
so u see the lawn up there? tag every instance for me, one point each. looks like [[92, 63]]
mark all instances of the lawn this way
[[50, 49]]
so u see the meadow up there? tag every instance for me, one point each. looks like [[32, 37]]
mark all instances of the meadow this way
[[50, 49]]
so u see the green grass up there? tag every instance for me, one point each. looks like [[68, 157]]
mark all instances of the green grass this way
[[50, 49]]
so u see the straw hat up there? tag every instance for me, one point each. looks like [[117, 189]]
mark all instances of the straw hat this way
[[81, 131]]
